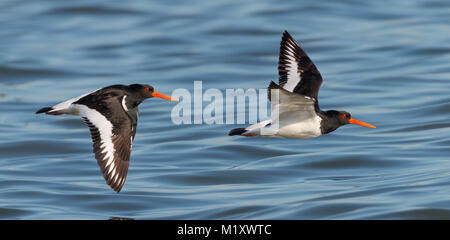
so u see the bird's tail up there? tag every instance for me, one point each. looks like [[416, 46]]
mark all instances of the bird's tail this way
[[250, 131], [65, 107], [48, 110], [237, 131]]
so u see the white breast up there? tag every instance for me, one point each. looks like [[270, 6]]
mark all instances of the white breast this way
[[308, 128]]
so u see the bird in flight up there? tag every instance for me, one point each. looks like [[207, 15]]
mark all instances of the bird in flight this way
[[295, 111], [111, 113]]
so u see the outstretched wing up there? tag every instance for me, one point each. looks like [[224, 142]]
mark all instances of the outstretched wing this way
[[297, 73], [112, 134], [290, 107]]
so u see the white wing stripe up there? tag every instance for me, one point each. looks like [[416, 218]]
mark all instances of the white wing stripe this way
[[293, 74], [115, 178], [110, 162], [104, 128], [113, 171]]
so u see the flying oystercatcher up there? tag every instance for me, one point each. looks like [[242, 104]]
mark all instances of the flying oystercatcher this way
[[296, 114], [111, 114]]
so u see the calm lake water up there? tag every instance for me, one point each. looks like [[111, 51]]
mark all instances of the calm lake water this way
[[386, 62]]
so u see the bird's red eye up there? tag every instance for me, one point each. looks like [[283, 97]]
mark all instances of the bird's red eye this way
[[147, 89], [344, 115]]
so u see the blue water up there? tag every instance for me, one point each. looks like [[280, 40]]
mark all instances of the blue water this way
[[386, 62]]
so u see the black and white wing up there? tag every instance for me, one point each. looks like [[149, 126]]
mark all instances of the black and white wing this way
[[297, 73], [112, 134]]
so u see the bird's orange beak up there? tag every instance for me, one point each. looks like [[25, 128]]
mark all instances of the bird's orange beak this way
[[357, 122], [157, 94]]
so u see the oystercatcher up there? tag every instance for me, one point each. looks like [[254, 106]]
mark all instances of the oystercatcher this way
[[296, 114], [111, 113]]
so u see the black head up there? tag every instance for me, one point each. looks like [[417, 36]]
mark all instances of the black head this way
[[335, 119], [342, 117], [144, 91]]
